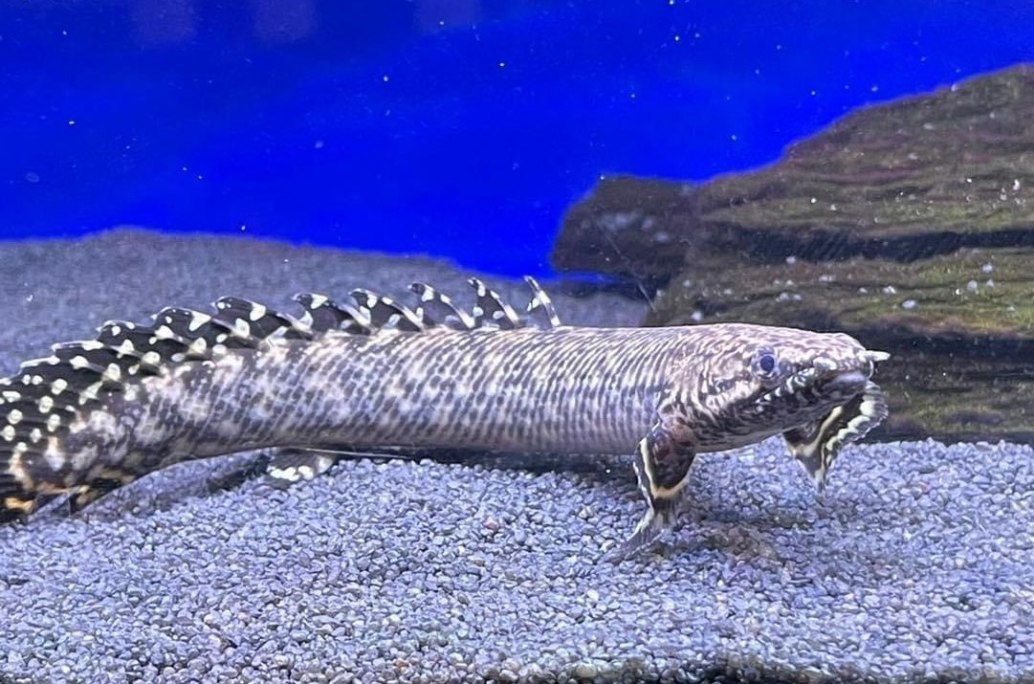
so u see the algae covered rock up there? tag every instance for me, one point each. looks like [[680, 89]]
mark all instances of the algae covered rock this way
[[909, 225], [905, 180], [960, 327]]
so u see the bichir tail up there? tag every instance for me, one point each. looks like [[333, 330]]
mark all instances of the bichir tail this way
[[49, 397]]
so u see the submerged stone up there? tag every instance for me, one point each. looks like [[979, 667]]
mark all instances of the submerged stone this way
[[909, 225]]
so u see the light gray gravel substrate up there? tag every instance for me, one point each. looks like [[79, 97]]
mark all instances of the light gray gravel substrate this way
[[917, 564]]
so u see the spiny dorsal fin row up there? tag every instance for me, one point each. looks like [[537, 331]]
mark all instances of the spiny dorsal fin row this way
[[370, 311], [39, 402], [47, 393]]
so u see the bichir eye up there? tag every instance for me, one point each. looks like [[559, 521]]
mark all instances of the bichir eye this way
[[767, 362]]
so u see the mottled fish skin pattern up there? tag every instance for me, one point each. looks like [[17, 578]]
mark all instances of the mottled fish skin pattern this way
[[374, 373]]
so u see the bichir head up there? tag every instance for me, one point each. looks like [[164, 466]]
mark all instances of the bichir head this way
[[813, 388]]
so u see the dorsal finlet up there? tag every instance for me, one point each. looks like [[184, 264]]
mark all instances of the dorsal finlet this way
[[452, 315], [540, 301], [385, 313], [323, 313], [491, 309], [259, 321]]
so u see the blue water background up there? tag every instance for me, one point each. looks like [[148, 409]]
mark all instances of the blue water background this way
[[461, 128]]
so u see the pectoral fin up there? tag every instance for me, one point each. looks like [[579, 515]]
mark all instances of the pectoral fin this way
[[816, 445], [290, 466], [662, 464]]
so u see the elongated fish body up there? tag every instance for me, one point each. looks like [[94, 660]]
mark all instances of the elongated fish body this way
[[373, 373], [566, 390]]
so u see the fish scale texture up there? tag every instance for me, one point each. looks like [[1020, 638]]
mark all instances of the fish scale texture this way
[[917, 564]]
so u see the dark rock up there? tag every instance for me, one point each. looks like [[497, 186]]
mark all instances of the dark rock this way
[[907, 180], [909, 225], [638, 228]]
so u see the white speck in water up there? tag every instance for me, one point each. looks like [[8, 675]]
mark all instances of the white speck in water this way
[[791, 260], [385, 78], [814, 200], [696, 316], [32, 177], [243, 227], [319, 144], [71, 122], [909, 304]]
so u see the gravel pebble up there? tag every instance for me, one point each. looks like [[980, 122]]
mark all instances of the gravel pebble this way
[[917, 562]]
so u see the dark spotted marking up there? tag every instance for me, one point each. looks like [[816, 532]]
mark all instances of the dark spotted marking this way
[[263, 322], [322, 314], [385, 313], [491, 309], [229, 331], [139, 349], [437, 308]]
